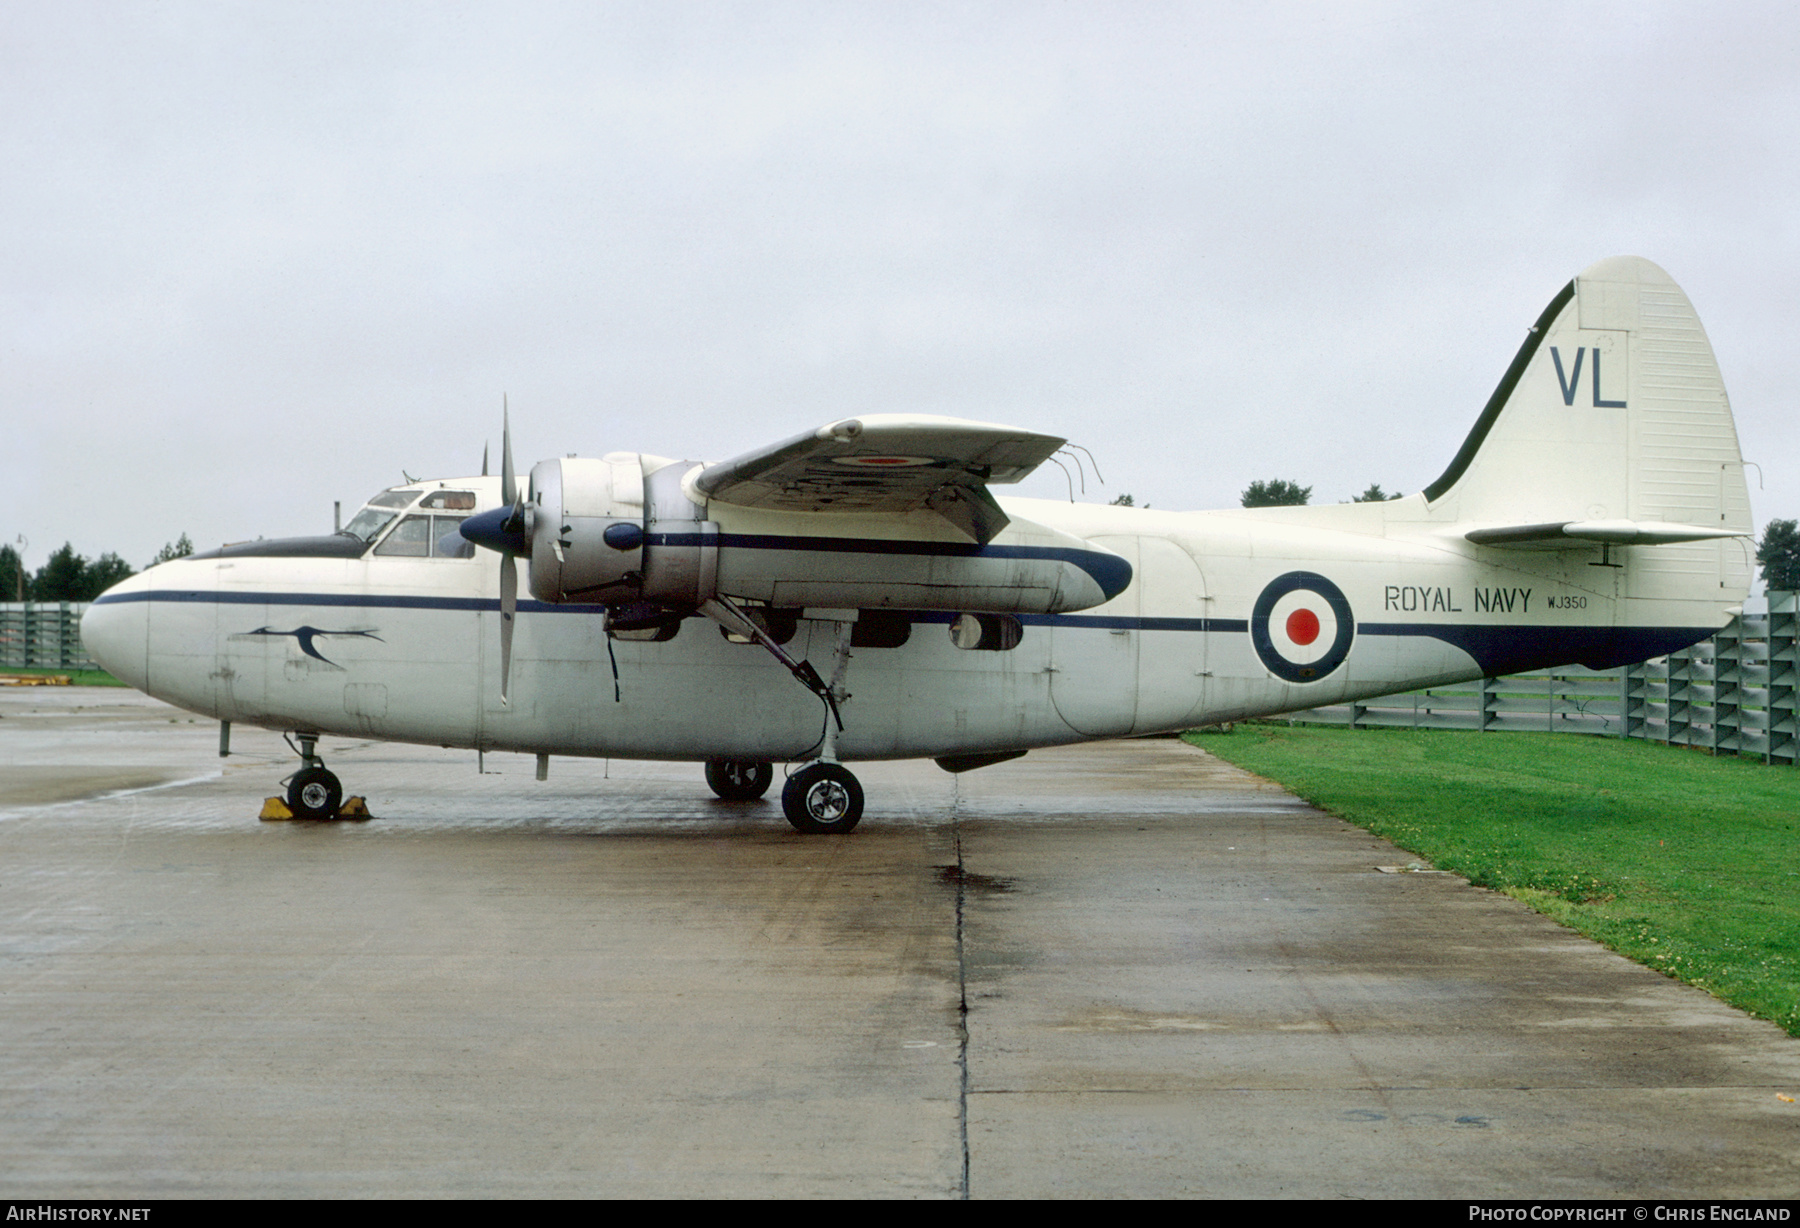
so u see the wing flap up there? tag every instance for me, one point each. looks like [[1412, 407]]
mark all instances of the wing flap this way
[[886, 463]]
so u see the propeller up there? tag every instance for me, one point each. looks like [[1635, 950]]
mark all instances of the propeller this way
[[503, 529]]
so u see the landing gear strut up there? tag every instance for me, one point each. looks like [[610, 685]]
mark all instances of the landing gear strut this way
[[313, 792], [822, 797]]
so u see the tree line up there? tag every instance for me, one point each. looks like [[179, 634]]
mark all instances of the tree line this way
[[67, 576]]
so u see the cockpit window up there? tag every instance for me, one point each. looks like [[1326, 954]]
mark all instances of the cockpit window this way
[[410, 539], [416, 536], [423, 537], [368, 523], [451, 500]]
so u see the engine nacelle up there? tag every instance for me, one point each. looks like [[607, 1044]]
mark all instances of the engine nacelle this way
[[623, 531], [586, 528]]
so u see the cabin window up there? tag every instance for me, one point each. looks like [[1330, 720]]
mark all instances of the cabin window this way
[[987, 632]]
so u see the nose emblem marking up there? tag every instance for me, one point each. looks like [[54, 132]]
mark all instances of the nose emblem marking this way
[[305, 636]]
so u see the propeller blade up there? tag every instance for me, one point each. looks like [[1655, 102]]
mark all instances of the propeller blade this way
[[501, 528], [509, 489], [509, 606]]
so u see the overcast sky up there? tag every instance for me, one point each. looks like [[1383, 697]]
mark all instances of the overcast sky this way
[[260, 257]]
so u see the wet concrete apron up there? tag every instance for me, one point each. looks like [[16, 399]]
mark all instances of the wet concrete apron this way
[[1125, 969]]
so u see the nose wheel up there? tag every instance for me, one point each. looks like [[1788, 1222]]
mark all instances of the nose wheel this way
[[314, 793], [822, 799]]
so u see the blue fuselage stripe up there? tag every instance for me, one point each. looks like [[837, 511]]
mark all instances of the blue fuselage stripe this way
[[1457, 633], [393, 601]]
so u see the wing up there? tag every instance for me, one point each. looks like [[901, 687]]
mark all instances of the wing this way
[[1574, 535], [886, 463]]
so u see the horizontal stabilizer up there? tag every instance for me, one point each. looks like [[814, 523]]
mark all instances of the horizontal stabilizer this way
[[886, 463], [1581, 534]]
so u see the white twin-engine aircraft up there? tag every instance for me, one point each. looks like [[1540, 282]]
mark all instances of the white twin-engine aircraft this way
[[858, 593]]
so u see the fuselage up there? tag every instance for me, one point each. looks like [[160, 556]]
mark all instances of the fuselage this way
[[1227, 615]]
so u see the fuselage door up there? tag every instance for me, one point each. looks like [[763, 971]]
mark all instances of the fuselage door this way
[[1172, 606], [1094, 657]]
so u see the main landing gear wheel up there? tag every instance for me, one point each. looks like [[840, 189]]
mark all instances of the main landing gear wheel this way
[[739, 780], [314, 793], [821, 799]]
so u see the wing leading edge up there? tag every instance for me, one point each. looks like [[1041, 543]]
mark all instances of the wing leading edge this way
[[886, 463]]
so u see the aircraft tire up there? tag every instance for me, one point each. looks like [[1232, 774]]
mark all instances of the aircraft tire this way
[[739, 780], [314, 793], [822, 799]]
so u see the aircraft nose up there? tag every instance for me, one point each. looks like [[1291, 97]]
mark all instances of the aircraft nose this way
[[116, 632]]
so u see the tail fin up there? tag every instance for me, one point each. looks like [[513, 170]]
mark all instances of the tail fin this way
[[1612, 411]]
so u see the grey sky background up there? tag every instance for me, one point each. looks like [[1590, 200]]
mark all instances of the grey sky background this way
[[260, 257]]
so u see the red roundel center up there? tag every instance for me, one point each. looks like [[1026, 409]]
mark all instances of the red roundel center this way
[[1302, 627]]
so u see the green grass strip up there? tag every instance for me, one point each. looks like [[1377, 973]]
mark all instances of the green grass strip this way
[[77, 677], [1686, 863]]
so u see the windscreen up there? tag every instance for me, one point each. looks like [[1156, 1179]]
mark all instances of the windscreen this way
[[376, 514]]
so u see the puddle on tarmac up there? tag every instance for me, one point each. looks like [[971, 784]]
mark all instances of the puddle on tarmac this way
[[956, 876]]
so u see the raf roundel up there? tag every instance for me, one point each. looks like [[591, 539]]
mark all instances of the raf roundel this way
[[883, 462], [1301, 626]]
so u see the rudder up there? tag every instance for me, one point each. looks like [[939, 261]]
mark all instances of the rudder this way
[[1613, 409]]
